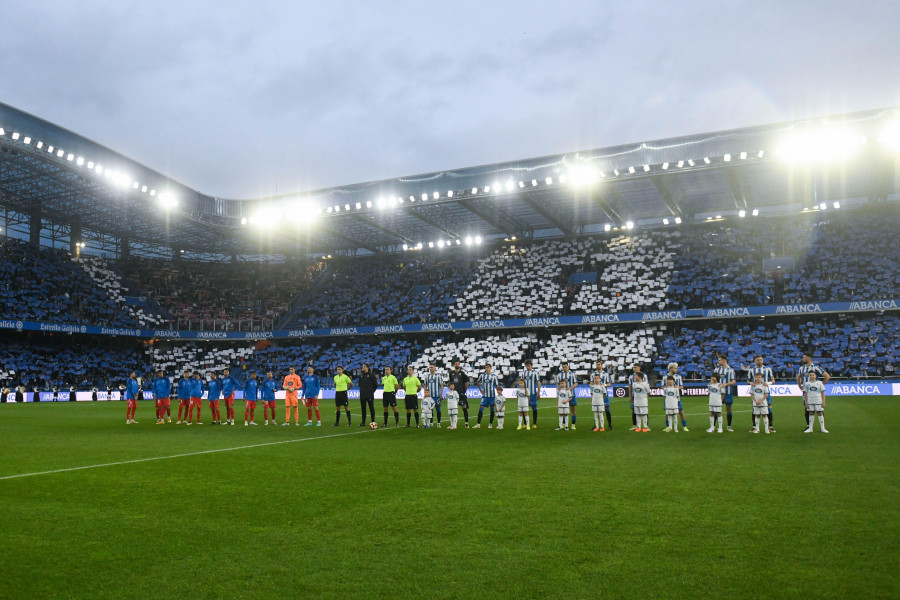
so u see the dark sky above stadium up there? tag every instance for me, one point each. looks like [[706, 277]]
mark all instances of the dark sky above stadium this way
[[243, 99]]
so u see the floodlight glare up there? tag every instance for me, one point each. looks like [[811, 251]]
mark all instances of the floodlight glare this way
[[631, 170], [755, 212], [509, 185], [405, 246], [431, 244], [449, 193], [677, 220], [646, 168], [727, 158], [440, 243], [468, 240], [742, 213], [487, 189], [760, 154], [563, 179], [837, 205], [368, 204], [665, 166], [474, 190], [890, 137], [15, 135], [80, 161], [477, 239], [521, 184], [244, 221], [680, 164], [823, 206], [549, 181], [419, 246], [629, 225], [534, 183], [607, 227], [167, 200], [582, 175], [424, 197], [827, 144], [135, 185], [743, 156], [436, 195], [497, 187], [665, 221], [27, 140]]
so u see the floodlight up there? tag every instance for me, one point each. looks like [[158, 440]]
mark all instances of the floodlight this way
[[665, 221], [368, 204], [449, 193], [706, 159], [399, 199], [477, 239], [718, 216], [509, 185], [487, 189], [646, 168], [431, 244], [474, 190], [823, 206], [244, 221], [629, 225], [837, 204], [39, 145], [497, 187], [677, 220], [405, 247], [665, 166], [80, 161], [743, 156], [755, 212], [60, 154], [760, 154], [534, 183], [99, 169], [607, 227], [562, 179], [616, 172], [440, 243], [691, 161], [631, 170], [27, 140], [15, 135], [2, 131], [329, 210], [742, 213], [424, 197], [549, 181], [419, 246], [167, 200], [49, 149], [581, 175], [337, 208], [890, 137], [826, 144], [144, 188], [521, 184], [152, 192], [358, 206], [727, 158], [458, 242], [680, 164], [436, 195]]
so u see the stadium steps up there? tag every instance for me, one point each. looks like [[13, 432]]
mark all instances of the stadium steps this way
[[289, 320]]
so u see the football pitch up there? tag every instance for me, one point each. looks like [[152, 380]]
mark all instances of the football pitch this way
[[335, 512]]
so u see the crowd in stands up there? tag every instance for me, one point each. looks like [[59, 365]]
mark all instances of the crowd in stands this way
[[209, 296], [414, 288], [46, 284]]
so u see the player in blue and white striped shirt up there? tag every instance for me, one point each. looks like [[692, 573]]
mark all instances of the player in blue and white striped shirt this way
[[727, 380], [768, 378], [607, 380], [487, 385], [807, 367], [434, 383], [679, 385], [533, 388], [569, 377]]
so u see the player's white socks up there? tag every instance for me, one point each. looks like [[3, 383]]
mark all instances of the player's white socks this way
[[453, 420], [712, 422], [812, 420], [674, 424], [562, 420], [527, 420], [822, 421], [500, 421]]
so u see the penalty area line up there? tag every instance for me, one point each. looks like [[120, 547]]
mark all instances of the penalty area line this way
[[199, 452]]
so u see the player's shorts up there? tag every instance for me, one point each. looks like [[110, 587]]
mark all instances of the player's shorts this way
[[229, 399], [562, 410], [426, 415], [268, 404], [163, 403], [500, 413], [641, 410], [214, 403], [452, 411], [311, 402], [532, 400], [680, 407], [363, 401], [464, 402], [715, 408], [728, 399], [815, 407], [288, 401], [524, 405], [598, 407], [340, 398], [760, 410], [769, 400], [411, 401], [573, 401], [197, 401], [389, 399], [132, 403], [184, 402], [488, 402], [249, 403], [671, 412]]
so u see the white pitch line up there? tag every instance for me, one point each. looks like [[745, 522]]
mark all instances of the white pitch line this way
[[140, 460]]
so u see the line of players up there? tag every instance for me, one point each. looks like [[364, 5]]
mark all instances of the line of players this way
[[721, 391]]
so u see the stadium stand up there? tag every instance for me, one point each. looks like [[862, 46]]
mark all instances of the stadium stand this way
[[375, 290], [111, 282], [327, 356], [45, 284], [505, 352], [244, 296], [861, 347]]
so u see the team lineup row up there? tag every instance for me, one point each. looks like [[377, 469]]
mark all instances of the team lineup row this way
[[721, 390]]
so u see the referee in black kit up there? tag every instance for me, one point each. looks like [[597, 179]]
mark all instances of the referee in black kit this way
[[460, 382], [367, 384]]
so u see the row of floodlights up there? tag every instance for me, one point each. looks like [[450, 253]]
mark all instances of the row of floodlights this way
[[167, 200]]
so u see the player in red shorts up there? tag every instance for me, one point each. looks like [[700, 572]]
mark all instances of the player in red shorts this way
[[267, 392], [161, 388], [184, 397], [311, 387], [229, 385], [196, 398], [251, 391], [132, 391], [214, 392]]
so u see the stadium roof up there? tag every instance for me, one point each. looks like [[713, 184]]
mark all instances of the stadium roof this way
[[113, 200]]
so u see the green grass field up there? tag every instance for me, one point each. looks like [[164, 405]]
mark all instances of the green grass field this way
[[400, 513]]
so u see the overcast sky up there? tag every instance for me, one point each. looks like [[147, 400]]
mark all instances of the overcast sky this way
[[240, 99]]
